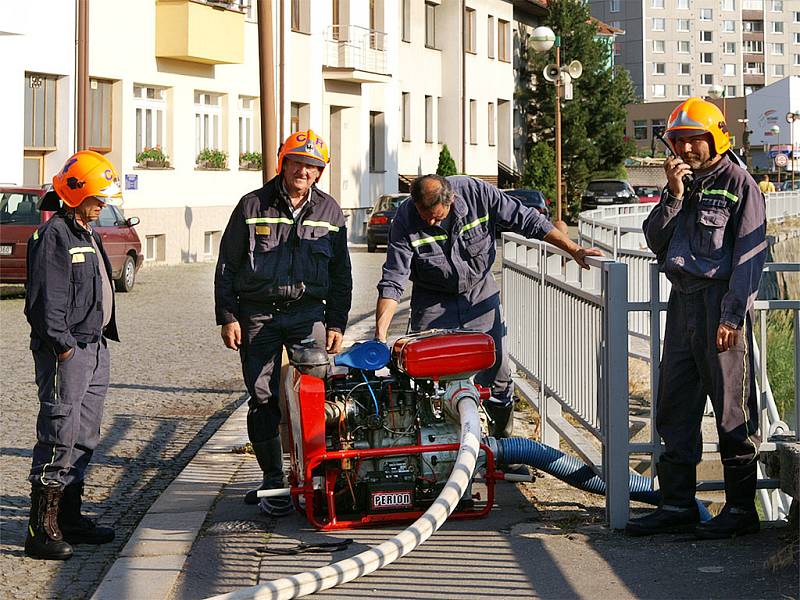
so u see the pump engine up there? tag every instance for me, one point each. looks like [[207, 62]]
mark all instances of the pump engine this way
[[368, 448]]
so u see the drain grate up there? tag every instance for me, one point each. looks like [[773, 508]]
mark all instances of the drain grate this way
[[229, 527]]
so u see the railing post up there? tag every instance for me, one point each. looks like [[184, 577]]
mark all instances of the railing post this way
[[615, 394], [655, 360]]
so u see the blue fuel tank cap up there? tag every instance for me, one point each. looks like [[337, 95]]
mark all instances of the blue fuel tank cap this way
[[369, 356]]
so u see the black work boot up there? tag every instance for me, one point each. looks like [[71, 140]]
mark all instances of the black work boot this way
[[77, 528], [44, 538], [269, 455], [739, 515], [678, 512]]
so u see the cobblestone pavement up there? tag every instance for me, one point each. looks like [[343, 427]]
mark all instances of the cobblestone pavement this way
[[172, 384]]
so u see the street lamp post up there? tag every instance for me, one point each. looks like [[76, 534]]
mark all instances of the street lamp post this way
[[776, 130], [542, 40], [791, 117]]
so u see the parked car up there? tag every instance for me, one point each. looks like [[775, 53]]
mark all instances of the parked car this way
[[790, 186], [603, 192], [531, 199], [380, 219], [647, 193], [21, 214]]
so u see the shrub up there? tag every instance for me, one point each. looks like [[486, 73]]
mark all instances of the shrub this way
[[447, 166], [154, 153], [211, 158], [252, 159]]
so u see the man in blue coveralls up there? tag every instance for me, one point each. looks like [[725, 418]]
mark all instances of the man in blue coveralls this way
[[444, 241]]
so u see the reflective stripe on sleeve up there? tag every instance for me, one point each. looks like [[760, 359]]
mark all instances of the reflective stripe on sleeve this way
[[428, 240], [81, 250], [328, 226], [475, 223]]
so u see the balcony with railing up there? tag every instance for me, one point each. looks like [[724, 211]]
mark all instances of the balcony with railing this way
[[356, 54]]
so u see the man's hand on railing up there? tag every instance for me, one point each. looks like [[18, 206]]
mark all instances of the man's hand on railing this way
[[581, 253]]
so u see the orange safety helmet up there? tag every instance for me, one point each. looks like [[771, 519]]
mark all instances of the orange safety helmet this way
[[86, 174], [306, 147], [696, 115]]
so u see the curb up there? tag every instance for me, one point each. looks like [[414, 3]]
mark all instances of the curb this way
[[152, 560]]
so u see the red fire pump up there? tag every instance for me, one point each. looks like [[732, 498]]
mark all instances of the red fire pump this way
[[369, 449]]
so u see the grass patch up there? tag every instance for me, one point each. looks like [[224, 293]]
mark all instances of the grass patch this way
[[780, 359]]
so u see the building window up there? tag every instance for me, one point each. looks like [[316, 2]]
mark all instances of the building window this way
[[406, 18], [753, 47], [659, 68], [683, 47], [729, 26], [728, 69], [300, 16], [752, 26], [797, 16], [210, 244], [640, 130], [492, 123], [658, 46], [294, 117], [706, 58], [490, 36], [473, 122], [796, 38], [613, 5], [617, 49], [797, 60], [377, 142], [657, 3], [706, 79], [40, 112], [778, 70], [99, 115], [207, 121], [729, 47], [684, 90], [405, 122], [684, 68], [155, 247], [728, 4], [754, 68], [777, 26], [683, 25], [777, 49], [659, 90], [706, 37], [246, 120], [706, 14], [151, 116], [658, 23], [504, 40], [439, 120], [429, 119], [430, 25], [777, 6], [469, 30], [682, 4], [730, 91], [250, 11]]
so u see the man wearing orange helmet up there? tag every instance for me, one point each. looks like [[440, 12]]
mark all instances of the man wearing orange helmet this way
[[709, 235], [70, 307], [283, 277]]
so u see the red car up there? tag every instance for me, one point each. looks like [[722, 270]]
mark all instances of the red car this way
[[647, 193], [21, 215]]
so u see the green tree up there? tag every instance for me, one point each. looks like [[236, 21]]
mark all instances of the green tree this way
[[540, 169], [593, 123], [446, 166]]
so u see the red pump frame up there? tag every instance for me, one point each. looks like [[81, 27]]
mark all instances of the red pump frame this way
[[309, 450]]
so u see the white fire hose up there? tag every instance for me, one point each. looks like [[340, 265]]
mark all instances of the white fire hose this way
[[461, 398]]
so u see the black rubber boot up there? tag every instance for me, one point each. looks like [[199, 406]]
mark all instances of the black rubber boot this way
[[502, 426], [75, 527], [44, 538], [269, 455], [678, 512], [739, 515]]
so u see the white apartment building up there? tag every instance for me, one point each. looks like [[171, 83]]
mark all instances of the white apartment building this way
[[674, 49], [385, 82]]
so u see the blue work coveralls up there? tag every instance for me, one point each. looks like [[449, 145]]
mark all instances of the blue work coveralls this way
[[451, 269]]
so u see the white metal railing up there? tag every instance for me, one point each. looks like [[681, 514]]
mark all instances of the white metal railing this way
[[355, 47], [567, 333]]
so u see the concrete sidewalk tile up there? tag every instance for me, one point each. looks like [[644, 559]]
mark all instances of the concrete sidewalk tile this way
[[165, 534], [181, 496], [140, 577]]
